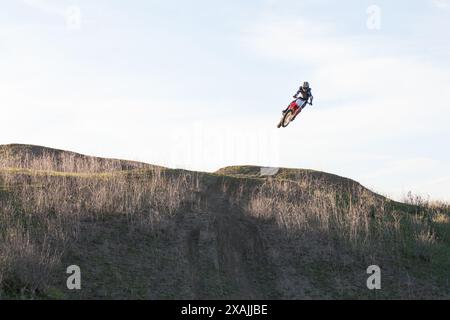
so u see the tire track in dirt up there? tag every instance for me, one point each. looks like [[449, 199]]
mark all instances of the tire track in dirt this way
[[241, 255], [193, 252]]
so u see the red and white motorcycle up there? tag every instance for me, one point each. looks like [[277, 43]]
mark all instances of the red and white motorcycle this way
[[292, 112]]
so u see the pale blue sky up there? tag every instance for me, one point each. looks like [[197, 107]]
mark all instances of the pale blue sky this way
[[200, 84]]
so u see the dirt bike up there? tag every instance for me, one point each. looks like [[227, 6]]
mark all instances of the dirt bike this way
[[291, 113]]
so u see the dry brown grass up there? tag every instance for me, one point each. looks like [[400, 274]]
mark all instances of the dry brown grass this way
[[62, 161], [45, 199], [343, 228], [44, 204], [357, 218]]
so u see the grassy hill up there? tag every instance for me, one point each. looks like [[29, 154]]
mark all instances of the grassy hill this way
[[139, 231], [37, 157]]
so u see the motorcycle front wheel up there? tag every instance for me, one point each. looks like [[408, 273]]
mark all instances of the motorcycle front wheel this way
[[287, 118]]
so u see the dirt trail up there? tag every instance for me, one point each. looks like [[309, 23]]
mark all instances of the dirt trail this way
[[240, 250]]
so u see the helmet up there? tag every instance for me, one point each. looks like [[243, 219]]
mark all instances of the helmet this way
[[305, 85]]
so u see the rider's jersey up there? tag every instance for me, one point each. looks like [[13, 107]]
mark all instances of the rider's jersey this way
[[304, 94]]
